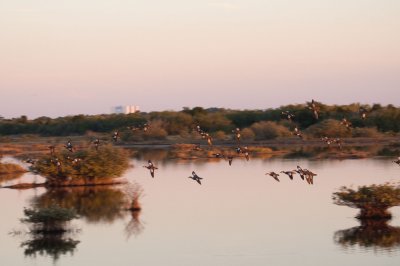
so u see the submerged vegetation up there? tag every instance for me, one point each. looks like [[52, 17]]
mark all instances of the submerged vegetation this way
[[373, 201]]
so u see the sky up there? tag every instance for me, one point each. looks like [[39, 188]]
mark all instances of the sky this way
[[68, 57]]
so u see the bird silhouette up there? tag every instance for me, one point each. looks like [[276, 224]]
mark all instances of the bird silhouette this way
[[288, 115], [289, 174], [230, 159], [297, 133], [151, 167], [237, 134], [363, 113], [313, 107], [274, 175], [69, 146], [397, 161], [346, 123], [96, 143], [195, 177], [218, 155], [115, 136], [300, 171]]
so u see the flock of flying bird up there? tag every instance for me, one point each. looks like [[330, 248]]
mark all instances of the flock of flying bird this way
[[304, 174]]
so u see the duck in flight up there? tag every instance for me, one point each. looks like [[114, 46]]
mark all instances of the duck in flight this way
[[274, 175], [69, 146], [115, 136], [313, 107], [297, 133], [96, 143], [230, 159], [397, 161], [237, 134], [289, 173], [288, 115], [363, 113], [300, 171], [151, 167], [346, 123], [218, 155], [195, 177]]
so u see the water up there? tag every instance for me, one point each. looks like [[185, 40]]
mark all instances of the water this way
[[238, 216]]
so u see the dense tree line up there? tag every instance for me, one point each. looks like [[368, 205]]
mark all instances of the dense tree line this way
[[217, 120]]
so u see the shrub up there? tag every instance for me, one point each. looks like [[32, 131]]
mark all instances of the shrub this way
[[248, 134], [373, 201], [328, 128], [269, 130], [366, 132], [106, 162]]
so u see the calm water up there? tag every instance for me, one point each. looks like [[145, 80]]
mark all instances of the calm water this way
[[238, 216]]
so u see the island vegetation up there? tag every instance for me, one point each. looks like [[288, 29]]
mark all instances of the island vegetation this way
[[84, 167], [373, 201]]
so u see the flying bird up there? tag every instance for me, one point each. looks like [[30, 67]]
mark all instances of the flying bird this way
[[230, 159], [237, 134], [115, 136], [313, 107], [69, 146], [288, 115], [195, 177], [289, 173], [274, 175], [96, 143], [297, 133], [397, 161], [151, 167]]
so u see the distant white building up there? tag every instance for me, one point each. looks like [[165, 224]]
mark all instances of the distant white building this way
[[125, 109]]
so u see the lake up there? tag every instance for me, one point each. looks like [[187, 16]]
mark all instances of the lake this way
[[237, 216]]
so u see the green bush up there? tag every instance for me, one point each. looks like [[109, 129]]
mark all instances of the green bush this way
[[106, 162], [373, 201], [328, 128], [269, 130]]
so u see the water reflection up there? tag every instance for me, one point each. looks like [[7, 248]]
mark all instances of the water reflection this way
[[9, 177], [94, 204], [372, 234], [52, 245], [315, 152]]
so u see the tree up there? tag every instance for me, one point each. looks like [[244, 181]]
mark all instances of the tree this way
[[86, 166], [373, 201]]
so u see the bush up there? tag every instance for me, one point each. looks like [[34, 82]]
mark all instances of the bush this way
[[248, 134], [366, 132], [328, 128], [106, 162], [269, 130], [373, 201]]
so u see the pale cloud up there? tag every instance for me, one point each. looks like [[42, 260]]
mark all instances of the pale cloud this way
[[225, 5]]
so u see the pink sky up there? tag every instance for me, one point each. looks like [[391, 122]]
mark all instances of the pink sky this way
[[70, 57]]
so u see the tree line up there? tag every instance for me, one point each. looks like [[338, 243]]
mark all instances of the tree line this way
[[269, 123]]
